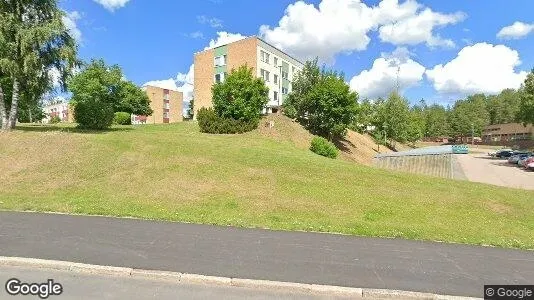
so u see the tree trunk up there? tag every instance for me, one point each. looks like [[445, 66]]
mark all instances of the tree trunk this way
[[14, 106], [3, 113]]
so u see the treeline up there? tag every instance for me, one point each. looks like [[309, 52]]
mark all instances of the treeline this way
[[394, 119]]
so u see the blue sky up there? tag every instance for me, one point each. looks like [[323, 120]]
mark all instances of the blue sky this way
[[442, 50]]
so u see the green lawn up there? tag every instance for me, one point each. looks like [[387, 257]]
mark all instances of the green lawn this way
[[173, 172]]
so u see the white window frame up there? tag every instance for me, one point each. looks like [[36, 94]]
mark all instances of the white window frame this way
[[275, 79], [217, 61]]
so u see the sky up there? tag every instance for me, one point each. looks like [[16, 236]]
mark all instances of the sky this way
[[435, 50]]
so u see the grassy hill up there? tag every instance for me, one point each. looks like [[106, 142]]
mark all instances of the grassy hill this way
[[259, 179]]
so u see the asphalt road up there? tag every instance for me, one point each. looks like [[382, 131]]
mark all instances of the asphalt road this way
[[440, 268], [88, 286]]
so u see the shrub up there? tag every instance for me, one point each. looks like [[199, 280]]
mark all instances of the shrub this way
[[93, 114], [210, 122], [122, 118], [54, 120], [323, 147]]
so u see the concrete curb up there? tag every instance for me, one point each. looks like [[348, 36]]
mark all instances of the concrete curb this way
[[177, 277]]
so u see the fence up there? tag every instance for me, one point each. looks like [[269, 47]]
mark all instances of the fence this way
[[434, 161]]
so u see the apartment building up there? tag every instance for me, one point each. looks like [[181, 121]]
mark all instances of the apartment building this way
[[166, 105], [275, 67], [61, 110]]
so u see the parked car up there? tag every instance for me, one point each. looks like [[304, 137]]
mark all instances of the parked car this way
[[494, 154], [504, 153], [528, 161], [514, 159], [523, 160], [530, 166]]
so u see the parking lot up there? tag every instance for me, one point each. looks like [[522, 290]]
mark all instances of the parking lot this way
[[479, 167]]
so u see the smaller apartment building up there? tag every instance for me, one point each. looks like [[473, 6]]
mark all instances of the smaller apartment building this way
[[166, 105], [275, 67], [61, 110]]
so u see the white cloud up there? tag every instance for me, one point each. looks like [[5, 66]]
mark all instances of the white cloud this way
[[224, 38], [515, 31], [212, 22], [69, 20], [169, 84], [480, 68], [112, 5], [381, 79], [336, 26], [419, 29]]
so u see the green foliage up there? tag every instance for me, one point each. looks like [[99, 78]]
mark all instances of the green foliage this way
[[132, 99], [526, 112], [365, 117], [322, 146], [54, 120], [436, 121], [102, 87], [393, 117], [504, 108], [122, 118], [93, 114], [241, 96], [321, 101], [33, 41], [210, 122], [191, 109], [416, 126], [470, 115]]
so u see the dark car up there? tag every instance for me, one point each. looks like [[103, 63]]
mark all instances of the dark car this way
[[504, 154]]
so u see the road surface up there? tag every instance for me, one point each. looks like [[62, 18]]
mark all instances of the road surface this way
[[440, 268]]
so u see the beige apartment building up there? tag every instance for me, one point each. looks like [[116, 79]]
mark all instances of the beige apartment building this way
[[166, 104], [277, 69]]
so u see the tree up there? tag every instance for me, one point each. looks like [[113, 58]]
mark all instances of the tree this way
[[191, 109], [330, 107], [33, 42], [321, 101], [102, 88], [470, 116], [416, 125], [365, 116], [241, 96], [526, 110], [305, 80], [393, 117], [436, 121], [504, 107]]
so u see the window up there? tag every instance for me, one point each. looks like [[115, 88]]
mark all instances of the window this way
[[275, 79], [293, 70], [284, 75], [264, 56], [275, 96], [167, 105], [220, 61], [265, 75], [275, 60], [165, 115], [284, 91]]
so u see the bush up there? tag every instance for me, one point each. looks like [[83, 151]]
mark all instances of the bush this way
[[93, 114], [54, 120], [122, 118], [323, 147], [210, 122]]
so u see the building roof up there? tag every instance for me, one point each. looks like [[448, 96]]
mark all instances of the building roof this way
[[258, 38], [508, 128]]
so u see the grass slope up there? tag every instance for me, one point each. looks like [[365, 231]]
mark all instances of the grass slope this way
[[176, 173]]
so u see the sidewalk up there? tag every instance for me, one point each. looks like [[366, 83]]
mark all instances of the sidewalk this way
[[339, 260]]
